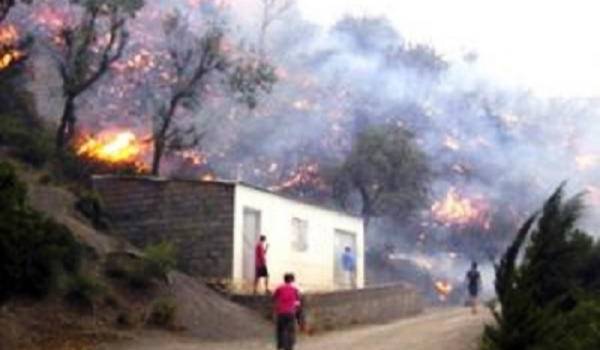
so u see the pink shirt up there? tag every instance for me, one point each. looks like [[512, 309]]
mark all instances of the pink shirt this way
[[260, 258], [287, 299]]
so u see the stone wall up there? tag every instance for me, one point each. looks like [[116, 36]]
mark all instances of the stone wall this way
[[334, 310], [197, 217]]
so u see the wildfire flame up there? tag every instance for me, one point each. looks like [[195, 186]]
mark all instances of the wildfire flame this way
[[456, 210], [9, 37], [112, 147], [443, 288]]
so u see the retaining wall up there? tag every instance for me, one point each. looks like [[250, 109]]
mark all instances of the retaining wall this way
[[334, 310]]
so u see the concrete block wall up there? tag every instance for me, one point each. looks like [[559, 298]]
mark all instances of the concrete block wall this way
[[334, 310], [197, 217]]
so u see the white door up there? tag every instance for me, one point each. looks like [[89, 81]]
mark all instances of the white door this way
[[250, 233], [342, 239]]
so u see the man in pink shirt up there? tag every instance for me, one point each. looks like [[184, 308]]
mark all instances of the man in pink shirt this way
[[287, 302], [260, 263]]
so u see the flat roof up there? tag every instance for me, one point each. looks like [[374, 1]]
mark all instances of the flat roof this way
[[226, 183]]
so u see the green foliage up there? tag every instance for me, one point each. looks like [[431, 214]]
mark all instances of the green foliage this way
[[21, 131], [163, 312], [160, 259], [27, 142], [387, 170], [549, 300], [13, 191], [34, 251], [84, 289], [248, 80], [140, 273], [89, 203]]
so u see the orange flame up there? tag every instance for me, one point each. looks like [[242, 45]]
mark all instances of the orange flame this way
[[9, 37], [456, 210], [443, 288], [112, 147]]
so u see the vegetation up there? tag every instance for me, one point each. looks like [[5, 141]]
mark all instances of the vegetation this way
[[163, 312], [196, 60], [386, 171], [34, 250], [84, 289], [550, 300], [155, 264], [160, 259], [82, 61]]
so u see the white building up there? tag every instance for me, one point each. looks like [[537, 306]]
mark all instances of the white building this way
[[216, 225], [305, 239]]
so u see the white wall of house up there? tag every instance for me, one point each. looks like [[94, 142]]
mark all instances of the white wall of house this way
[[283, 220]]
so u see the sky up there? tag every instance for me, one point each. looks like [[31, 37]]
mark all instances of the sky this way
[[551, 47]]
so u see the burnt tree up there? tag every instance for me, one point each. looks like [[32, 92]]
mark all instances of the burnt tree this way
[[199, 64], [88, 49]]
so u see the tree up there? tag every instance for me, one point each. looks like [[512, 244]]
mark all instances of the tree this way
[[272, 10], [547, 297], [88, 49], [198, 64], [387, 171]]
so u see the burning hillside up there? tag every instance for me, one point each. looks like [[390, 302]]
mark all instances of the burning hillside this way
[[333, 84], [457, 210]]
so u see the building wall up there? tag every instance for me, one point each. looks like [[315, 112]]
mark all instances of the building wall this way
[[197, 217], [314, 267]]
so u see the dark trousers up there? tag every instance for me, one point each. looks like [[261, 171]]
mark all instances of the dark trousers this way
[[286, 331]]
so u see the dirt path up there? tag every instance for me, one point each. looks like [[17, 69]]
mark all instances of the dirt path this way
[[448, 329]]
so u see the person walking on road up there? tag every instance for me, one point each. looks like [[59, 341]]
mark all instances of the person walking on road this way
[[260, 263], [286, 305], [349, 267], [473, 280]]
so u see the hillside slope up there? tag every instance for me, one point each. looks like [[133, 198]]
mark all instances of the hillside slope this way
[[121, 314]]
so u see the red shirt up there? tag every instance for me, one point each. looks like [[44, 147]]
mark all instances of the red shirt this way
[[260, 259], [287, 299]]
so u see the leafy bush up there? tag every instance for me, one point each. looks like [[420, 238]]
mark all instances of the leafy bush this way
[[140, 273], [84, 289], [163, 312], [160, 259], [34, 250], [90, 205], [28, 141]]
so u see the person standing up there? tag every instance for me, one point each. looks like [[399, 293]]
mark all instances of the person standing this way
[[286, 306], [473, 280], [260, 263], [349, 267]]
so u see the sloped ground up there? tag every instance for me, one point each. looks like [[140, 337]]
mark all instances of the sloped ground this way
[[52, 324], [447, 329]]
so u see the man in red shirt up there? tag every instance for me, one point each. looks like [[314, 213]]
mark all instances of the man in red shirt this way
[[260, 263], [287, 303]]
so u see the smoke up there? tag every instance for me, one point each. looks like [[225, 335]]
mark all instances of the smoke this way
[[505, 146]]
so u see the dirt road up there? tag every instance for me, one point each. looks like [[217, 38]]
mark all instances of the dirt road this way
[[448, 329]]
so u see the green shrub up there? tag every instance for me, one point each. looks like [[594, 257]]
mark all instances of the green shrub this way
[[28, 141], [545, 300], [84, 289], [34, 250], [90, 205], [163, 312], [159, 259]]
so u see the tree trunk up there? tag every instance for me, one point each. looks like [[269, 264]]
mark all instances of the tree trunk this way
[[66, 129], [159, 146]]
